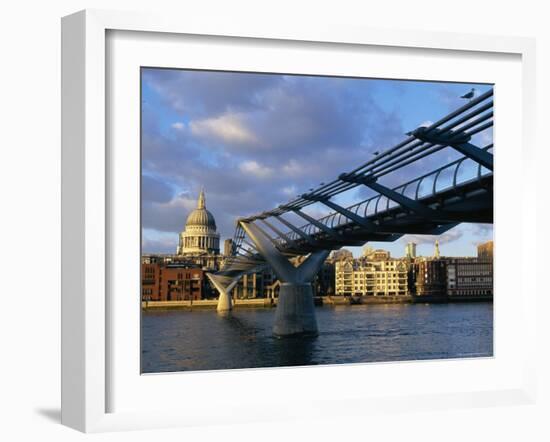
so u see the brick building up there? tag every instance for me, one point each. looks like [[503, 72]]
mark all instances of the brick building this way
[[171, 282]]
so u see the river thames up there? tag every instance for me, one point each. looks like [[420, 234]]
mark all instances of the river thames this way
[[182, 340]]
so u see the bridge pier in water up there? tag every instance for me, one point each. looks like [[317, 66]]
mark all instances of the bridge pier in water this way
[[224, 286], [224, 301], [295, 314]]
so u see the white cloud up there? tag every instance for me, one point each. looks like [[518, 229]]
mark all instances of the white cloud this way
[[290, 190], [254, 168], [154, 241], [178, 126], [292, 168], [228, 127], [445, 238], [482, 233], [168, 216]]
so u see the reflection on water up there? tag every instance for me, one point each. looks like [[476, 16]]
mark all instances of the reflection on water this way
[[205, 340]]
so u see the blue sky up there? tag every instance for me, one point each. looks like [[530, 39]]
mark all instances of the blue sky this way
[[254, 141]]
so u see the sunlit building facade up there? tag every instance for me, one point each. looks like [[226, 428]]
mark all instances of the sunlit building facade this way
[[485, 250], [373, 275]]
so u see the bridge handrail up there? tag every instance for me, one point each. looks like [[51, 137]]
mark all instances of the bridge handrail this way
[[328, 220]]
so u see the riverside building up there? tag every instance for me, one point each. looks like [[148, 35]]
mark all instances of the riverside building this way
[[376, 274], [453, 278], [171, 282], [469, 278], [429, 277]]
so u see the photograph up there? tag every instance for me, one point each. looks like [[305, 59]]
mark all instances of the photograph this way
[[292, 219]]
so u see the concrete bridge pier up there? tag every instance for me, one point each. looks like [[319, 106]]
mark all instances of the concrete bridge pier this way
[[224, 301], [295, 314], [223, 285]]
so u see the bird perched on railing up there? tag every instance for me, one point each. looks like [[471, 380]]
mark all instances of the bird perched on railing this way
[[469, 95]]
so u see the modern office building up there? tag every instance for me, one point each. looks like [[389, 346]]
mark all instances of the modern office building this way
[[469, 277]]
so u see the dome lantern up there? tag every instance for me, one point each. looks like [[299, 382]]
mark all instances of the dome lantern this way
[[201, 204]]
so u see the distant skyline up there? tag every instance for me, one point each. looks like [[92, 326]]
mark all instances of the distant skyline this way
[[254, 141]]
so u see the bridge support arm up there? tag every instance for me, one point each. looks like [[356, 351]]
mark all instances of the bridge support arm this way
[[318, 224], [295, 314], [425, 212], [296, 230], [457, 140], [401, 199], [282, 267], [282, 235], [475, 153]]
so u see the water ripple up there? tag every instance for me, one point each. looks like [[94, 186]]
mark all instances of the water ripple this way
[[203, 340]]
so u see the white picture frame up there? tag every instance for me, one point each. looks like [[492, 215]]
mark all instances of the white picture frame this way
[[86, 210]]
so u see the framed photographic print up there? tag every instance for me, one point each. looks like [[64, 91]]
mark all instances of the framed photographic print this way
[[246, 140], [266, 210]]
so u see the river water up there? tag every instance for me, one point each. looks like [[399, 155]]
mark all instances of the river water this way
[[181, 340]]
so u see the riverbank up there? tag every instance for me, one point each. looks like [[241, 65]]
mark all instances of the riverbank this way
[[319, 301], [206, 304]]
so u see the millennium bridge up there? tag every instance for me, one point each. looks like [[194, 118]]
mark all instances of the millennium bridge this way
[[459, 191]]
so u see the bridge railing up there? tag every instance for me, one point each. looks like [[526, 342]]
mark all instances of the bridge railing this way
[[427, 185]]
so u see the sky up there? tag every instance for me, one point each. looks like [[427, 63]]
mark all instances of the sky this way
[[254, 141]]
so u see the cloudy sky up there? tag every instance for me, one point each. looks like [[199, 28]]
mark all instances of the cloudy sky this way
[[254, 141]]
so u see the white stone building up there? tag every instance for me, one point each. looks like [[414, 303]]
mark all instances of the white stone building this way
[[200, 236], [371, 277]]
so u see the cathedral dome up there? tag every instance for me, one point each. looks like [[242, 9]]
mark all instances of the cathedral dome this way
[[200, 217], [199, 238]]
